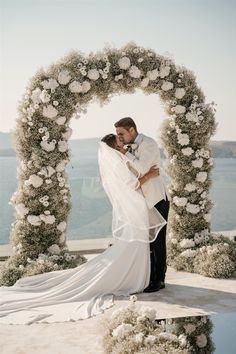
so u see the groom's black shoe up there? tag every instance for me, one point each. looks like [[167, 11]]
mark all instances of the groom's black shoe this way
[[154, 286]]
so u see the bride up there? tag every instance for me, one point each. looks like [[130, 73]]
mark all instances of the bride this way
[[122, 269]]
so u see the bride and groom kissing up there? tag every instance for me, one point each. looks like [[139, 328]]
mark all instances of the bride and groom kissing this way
[[129, 165]]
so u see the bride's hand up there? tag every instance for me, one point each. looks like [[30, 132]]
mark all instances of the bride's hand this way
[[153, 172]]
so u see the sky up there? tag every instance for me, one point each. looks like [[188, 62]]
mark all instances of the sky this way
[[199, 34]]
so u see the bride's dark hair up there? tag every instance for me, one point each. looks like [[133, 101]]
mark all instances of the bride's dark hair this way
[[110, 140]]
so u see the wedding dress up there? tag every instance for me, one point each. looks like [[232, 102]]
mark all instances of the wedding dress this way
[[89, 289]]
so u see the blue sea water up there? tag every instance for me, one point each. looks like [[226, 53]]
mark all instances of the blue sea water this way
[[90, 216]]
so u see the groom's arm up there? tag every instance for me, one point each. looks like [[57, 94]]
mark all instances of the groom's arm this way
[[149, 156]]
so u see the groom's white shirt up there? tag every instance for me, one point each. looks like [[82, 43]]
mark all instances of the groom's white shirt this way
[[146, 155]]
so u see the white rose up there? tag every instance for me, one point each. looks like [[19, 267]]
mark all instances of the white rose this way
[[44, 96], [179, 109], [34, 220], [164, 71], [179, 93], [153, 74], [180, 201], [144, 82], [75, 87], [192, 208], [166, 86], [64, 77], [134, 72], [190, 187], [187, 151], [35, 96], [62, 146], [86, 86], [61, 166], [148, 312], [201, 176], [21, 210], [183, 139], [192, 117], [189, 328], [51, 84], [188, 253], [61, 226], [197, 163], [54, 249], [93, 74], [207, 217], [138, 338], [62, 238], [124, 63], [61, 120], [50, 111], [48, 219], [35, 180], [150, 339], [122, 330], [187, 243], [201, 341], [47, 146]]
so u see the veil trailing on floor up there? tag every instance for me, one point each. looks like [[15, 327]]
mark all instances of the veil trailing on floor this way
[[132, 219]]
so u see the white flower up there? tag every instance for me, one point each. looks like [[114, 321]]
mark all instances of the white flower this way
[[138, 338], [189, 328], [190, 187], [187, 151], [201, 176], [35, 96], [124, 63], [51, 84], [34, 220], [61, 166], [62, 146], [183, 139], [166, 86], [93, 74], [153, 74], [192, 208], [54, 249], [201, 341], [75, 87], [188, 253], [86, 86], [133, 298], [168, 336], [204, 195], [197, 163], [164, 71], [192, 117], [62, 238], [150, 340], [179, 109], [35, 180], [21, 210], [179, 93], [134, 72], [47, 146], [67, 133], [174, 241], [61, 120], [144, 82], [180, 201], [187, 243], [48, 219], [61, 226], [50, 111], [148, 312], [64, 77], [44, 96], [122, 330]]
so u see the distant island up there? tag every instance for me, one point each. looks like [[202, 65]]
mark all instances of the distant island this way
[[221, 148]]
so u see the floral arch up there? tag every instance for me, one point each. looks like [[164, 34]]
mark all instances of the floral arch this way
[[42, 201]]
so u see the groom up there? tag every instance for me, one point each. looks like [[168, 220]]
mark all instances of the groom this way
[[143, 153]]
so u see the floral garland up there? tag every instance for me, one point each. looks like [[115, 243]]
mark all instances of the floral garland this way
[[53, 97], [134, 329]]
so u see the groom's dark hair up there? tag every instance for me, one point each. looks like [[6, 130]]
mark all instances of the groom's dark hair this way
[[126, 123]]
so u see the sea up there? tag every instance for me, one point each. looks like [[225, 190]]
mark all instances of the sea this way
[[91, 212]]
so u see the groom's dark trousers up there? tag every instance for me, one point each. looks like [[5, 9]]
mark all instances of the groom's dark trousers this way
[[158, 247]]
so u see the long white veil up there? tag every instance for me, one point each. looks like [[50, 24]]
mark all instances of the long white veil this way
[[132, 220]]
